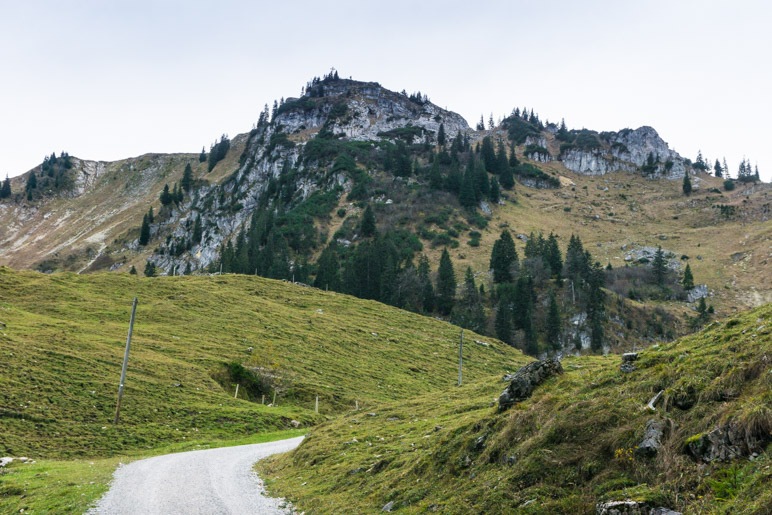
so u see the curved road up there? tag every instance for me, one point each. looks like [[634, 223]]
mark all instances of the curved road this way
[[212, 481]]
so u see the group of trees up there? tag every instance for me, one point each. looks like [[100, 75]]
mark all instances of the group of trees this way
[[54, 176], [5, 189]]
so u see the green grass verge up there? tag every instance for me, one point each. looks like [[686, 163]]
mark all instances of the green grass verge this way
[[565, 449], [56, 486]]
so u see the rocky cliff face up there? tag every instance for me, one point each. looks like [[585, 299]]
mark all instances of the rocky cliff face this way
[[628, 150], [340, 110]]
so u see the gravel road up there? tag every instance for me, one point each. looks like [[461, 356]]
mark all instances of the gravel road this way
[[212, 481]]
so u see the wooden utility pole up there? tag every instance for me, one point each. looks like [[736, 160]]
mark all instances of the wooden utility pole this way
[[460, 356], [125, 361]]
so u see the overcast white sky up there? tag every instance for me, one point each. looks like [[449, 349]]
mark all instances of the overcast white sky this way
[[106, 80]]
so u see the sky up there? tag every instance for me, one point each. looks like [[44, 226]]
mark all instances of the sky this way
[[110, 79]]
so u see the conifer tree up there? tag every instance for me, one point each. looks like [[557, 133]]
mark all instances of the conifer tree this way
[[504, 258], [187, 178], [427, 289], [198, 232], [507, 179], [166, 196], [503, 323], [553, 324], [328, 270], [132, 270], [688, 281], [718, 170], [596, 310], [441, 135], [468, 311], [489, 155], [467, 196], [150, 269], [454, 179], [482, 183], [144, 231], [5, 190], [446, 285], [687, 184], [659, 266], [435, 175], [502, 162], [202, 155], [481, 124], [552, 256], [150, 215], [495, 195], [368, 227]]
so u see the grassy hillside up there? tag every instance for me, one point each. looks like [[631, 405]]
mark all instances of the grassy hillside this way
[[569, 446], [62, 338]]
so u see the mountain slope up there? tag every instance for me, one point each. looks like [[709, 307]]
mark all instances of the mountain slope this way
[[62, 337], [572, 445]]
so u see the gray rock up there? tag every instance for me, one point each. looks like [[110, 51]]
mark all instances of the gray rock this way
[[629, 357], [627, 368], [652, 438], [628, 507], [388, 506], [728, 442], [526, 380]]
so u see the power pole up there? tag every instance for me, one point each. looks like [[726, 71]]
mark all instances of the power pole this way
[[125, 361], [460, 356]]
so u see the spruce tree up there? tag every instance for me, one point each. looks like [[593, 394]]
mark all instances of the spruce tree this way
[[441, 135], [435, 175], [187, 178], [198, 232], [495, 195], [504, 258], [507, 179], [659, 266], [166, 196], [328, 270], [150, 269], [596, 310], [468, 311], [688, 281], [368, 228], [482, 183], [687, 184], [489, 155], [553, 324], [144, 231], [5, 190], [427, 289], [552, 256], [503, 323], [202, 155], [454, 179], [467, 197], [132, 270], [718, 170], [150, 215], [446, 285]]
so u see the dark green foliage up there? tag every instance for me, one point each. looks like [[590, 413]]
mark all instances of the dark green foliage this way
[[150, 215], [504, 259], [687, 184], [32, 182], [651, 165], [132, 270], [166, 197], [553, 324], [218, 152], [202, 155], [197, 231], [187, 178], [405, 134], [659, 266], [467, 196], [503, 322], [577, 265], [435, 175], [495, 194], [328, 270], [718, 170], [529, 171], [552, 257], [519, 129], [728, 185], [507, 179], [144, 231], [482, 183], [699, 163], [468, 311], [427, 288], [454, 180], [688, 280], [596, 310], [441, 135], [368, 228], [446, 285], [150, 269], [5, 190], [489, 155]]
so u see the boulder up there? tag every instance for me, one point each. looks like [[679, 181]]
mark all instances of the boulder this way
[[629, 507], [652, 438], [727, 442], [525, 380]]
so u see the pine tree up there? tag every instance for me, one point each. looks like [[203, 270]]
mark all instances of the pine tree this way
[[150, 215], [553, 324], [467, 196], [489, 155], [435, 175], [454, 180], [718, 170], [502, 162], [202, 155], [482, 183], [659, 266], [596, 310], [495, 195], [166, 197], [507, 179], [504, 259], [5, 190], [688, 281], [725, 168], [144, 231], [552, 256], [328, 270], [198, 232], [150, 269], [503, 323], [176, 194], [481, 124], [368, 228], [427, 289], [187, 178], [687, 184], [576, 261], [441, 135], [468, 311], [446, 285], [32, 182], [132, 270]]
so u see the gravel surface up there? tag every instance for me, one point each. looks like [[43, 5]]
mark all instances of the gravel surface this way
[[212, 481]]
